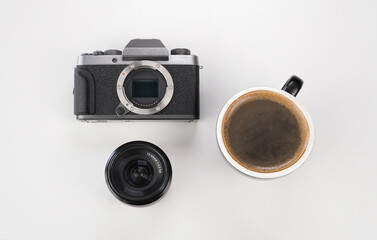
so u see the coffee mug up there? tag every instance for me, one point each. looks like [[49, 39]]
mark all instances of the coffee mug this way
[[265, 132]]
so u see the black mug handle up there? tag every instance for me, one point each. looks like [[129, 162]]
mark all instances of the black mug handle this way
[[293, 85]]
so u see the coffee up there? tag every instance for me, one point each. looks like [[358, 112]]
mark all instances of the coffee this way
[[265, 131]]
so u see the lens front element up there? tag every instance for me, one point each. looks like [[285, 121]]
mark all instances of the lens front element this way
[[138, 173]]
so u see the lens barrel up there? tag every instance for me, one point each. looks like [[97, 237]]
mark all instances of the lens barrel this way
[[138, 173]]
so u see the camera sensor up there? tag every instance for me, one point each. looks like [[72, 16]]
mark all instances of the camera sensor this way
[[144, 88]]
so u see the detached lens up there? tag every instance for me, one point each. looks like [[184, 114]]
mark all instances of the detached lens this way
[[138, 173]]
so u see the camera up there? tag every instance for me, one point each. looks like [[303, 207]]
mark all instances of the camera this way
[[144, 82]]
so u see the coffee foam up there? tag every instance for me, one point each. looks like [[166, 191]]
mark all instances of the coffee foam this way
[[283, 101]]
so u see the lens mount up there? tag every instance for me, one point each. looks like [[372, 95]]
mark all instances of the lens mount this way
[[138, 173], [145, 109]]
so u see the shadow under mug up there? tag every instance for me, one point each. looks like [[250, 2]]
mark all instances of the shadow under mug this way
[[289, 92]]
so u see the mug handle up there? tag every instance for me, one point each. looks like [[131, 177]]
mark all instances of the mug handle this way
[[293, 85]]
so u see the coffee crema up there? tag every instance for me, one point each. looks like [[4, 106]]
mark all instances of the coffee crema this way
[[264, 131]]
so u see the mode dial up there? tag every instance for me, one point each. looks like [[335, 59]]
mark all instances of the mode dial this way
[[180, 51], [113, 52]]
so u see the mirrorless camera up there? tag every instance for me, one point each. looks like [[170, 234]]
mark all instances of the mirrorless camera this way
[[143, 82]]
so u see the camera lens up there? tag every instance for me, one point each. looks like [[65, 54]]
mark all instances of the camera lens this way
[[138, 173]]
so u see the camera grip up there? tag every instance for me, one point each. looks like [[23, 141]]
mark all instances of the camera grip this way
[[84, 90]]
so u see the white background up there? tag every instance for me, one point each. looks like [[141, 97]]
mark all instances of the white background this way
[[52, 182]]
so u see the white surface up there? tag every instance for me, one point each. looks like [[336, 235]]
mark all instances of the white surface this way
[[52, 167], [262, 175]]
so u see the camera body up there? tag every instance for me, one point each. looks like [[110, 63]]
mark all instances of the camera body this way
[[144, 82]]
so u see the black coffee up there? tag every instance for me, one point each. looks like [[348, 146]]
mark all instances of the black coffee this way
[[264, 131]]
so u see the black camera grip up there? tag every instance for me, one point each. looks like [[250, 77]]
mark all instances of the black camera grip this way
[[293, 85], [84, 92]]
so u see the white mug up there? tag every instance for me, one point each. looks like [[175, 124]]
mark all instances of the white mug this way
[[289, 91]]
